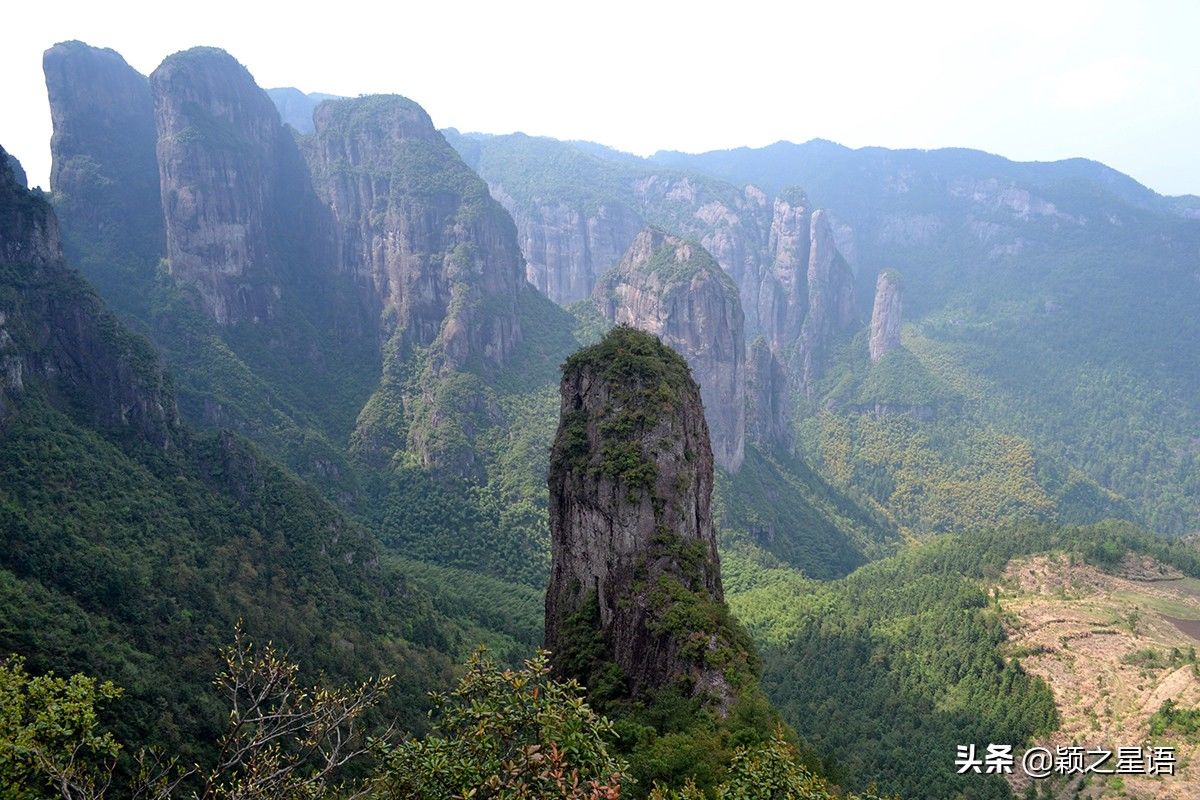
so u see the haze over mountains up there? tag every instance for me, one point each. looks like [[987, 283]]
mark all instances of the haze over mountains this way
[[327, 399]]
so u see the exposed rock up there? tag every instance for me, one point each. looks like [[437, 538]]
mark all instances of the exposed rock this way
[[567, 247], [105, 172], [674, 289], [831, 312], [232, 183], [731, 224], [55, 331], [631, 524], [921, 411], [783, 292], [18, 172], [433, 253], [436, 260], [886, 315], [296, 108], [768, 413], [574, 203], [28, 229]]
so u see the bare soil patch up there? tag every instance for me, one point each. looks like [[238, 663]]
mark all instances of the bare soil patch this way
[[1112, 647]]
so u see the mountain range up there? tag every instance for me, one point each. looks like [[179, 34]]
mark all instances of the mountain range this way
[[307, 375]]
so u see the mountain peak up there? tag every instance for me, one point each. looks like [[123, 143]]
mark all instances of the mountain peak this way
[[632, 538], [673, 288]]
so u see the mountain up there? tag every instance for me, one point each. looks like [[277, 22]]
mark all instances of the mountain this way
[[18, 172], [577, 212], [1027, 320], [132, 544], [328, 396], [296, 108], [631, 483], [635, 609], [886, 316], [675, 290], [434, 257], [104, 170], [360, 313], [200, 309]]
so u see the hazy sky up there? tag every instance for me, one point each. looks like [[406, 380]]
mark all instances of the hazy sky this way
[[1118, 82]]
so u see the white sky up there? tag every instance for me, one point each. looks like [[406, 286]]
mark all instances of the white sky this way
[[1118, 82]]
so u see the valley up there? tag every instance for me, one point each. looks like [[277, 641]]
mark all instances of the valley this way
[[805, 463]]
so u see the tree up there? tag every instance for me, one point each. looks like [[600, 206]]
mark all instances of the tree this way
[[767, 771], [285, 741], [50, 737], [506, 734]]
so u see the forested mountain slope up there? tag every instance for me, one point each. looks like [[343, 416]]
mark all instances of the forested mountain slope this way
[[1046, 312], [132, 544]]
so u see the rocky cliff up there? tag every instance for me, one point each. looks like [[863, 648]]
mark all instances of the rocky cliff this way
[[105, 174], [831, 311], [783, 292], [416, 229], [729, 222], [55, 332], [436, 261], [233, 185], [768, 408], [574, 202], [674, 289], [635, 598], [18, 172], [567, 247], [886, 315], [296, 108]]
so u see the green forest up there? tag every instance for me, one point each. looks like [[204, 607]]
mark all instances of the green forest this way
[[304, 554]]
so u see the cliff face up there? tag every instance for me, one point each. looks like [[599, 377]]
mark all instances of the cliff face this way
[[430, 250], [105, 173], [886, 316], [768, 412], [567, 247], [831, 311], [296, 108], [729, 223], [783, 292], [232, 183], [573, 202], [18, 172], [54, 331], [675, 290], [435, 260], [632, 540]]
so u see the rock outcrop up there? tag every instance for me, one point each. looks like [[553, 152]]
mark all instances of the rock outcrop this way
[[234, 189], [435, 260], [768, 411], [567, 248], [783, 292], [55, 331], [730, 223], [831, 311], [430, 250], [104, 174], [296, 108], [28, 229], [886, 315], [573, 202], [18, 172], [674, 289], [633, 550]]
